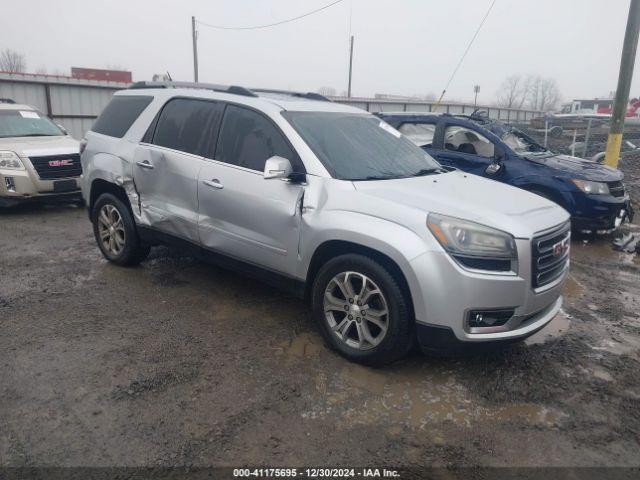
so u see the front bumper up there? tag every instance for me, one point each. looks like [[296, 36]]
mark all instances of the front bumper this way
[[18, 186], [450, 293], [599, 212]]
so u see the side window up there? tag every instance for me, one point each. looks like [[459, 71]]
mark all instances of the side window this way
[[419, 133], [119, 114], [184, 124], [248, 139], [464, 140]]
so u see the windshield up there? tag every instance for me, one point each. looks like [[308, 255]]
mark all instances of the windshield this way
[[26, 123], [521, 143], [356, 146]]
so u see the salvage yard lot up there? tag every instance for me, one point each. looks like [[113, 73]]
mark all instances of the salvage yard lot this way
[[180, 363]]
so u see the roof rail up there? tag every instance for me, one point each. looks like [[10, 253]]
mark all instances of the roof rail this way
[[233, 89], [7, 100], [307, 95]]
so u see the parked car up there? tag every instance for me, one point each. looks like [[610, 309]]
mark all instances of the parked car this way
[[593, 194], [38, 160], [331, 203]]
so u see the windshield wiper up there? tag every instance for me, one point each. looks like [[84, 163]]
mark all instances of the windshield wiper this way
[[37, 135], [375, 177], [426, 171]]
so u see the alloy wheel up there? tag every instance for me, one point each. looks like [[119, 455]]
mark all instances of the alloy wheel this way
[[356, 310], [111, 229]]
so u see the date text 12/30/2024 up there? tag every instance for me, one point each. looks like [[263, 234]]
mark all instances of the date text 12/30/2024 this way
[[315, 472]]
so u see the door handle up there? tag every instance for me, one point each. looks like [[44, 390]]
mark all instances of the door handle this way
[[215, 183], [145, 164]]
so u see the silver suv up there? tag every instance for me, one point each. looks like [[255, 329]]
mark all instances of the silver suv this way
[[38, 160], [332, 203]]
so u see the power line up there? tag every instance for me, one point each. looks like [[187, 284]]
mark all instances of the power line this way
[[455, 70], [256, 27]]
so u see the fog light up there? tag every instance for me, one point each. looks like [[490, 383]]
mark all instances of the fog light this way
[[10, 184], [489, 318]]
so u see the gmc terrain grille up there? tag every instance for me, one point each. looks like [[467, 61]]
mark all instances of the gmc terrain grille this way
[[550, 255], [616, 189], [57, 166]]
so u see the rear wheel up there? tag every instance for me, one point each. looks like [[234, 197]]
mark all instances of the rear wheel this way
[[361, 310], [115, 231]]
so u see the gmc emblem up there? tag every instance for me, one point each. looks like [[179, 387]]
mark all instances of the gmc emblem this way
[[561, 248], [61, 163]]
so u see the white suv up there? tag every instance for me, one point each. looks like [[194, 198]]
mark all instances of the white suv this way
[[332, 203], [38, 160]]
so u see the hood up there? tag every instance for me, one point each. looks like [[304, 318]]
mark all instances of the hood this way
[[40, 146], [580, 168], [472, 198]]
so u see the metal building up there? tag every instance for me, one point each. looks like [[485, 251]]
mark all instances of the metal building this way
[[71, 102]]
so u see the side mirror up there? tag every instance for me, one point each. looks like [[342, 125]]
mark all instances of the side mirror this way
[[493, 168], [277, 167]]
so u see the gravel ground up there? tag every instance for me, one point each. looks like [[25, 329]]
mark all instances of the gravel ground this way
[[179, 363]]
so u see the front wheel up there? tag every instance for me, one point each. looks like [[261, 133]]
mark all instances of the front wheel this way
[[115, 231], [362, 311]]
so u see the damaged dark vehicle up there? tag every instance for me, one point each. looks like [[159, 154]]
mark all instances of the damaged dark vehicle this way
[[592, 193]]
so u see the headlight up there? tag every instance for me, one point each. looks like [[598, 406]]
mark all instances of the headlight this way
[[10, 161], [595, 188], [472, 241]]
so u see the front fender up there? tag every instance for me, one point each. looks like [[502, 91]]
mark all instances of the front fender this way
[[399, 243], [542, 183]]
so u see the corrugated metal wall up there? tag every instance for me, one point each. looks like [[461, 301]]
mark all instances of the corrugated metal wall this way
[[73, 103], [76, 103]]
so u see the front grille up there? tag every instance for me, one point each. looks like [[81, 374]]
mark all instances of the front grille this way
[[57, 166], [616, 189], [549, 255]]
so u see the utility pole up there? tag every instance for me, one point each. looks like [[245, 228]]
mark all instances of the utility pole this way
[[476, 90], [194, 34], [624, 84], [350, 67]]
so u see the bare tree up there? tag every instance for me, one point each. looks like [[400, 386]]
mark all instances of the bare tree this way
[[543, 93], [532, 91], [524, 90], [549, 95], [511, 92], [12, 61], [327, 91]]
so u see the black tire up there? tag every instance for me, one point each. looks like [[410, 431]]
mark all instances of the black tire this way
[[134, 250], [400, 333], [556, 131]]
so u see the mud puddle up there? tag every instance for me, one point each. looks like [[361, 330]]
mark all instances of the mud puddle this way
[[415, 394], [619, 344]]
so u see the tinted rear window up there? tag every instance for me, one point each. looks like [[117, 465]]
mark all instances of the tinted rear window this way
[[119, 115]]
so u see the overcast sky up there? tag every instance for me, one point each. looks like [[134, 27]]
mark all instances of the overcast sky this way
[[402, 47]]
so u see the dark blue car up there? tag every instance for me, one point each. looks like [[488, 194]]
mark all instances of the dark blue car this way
[[593, 194]]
